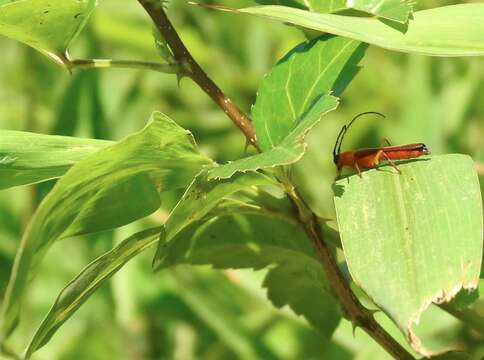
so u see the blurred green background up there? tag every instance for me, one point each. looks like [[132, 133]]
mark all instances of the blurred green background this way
[[197, 313]]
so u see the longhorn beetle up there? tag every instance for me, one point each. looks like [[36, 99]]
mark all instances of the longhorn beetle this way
[[370, 157]]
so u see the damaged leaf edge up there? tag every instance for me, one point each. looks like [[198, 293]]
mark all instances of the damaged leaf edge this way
[[444, 295]]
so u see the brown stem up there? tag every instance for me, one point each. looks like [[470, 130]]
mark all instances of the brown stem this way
[[359, 315], [351, 305], [353, 309], [191, 69]]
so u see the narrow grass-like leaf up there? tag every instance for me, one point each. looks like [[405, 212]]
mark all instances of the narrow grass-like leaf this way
[[396, 10], [93, 194], [46, 25], [80, 289], [212, 309], [202, 196], [69, 108], [28, 158], [258, 240], [454, 30], [415, 238], [293, 98]]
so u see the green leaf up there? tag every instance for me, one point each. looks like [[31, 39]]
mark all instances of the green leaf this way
[[202, 196], [415, 238], [113, 187], [258, 240], [162, 47], [396, 10], [48, 26], [293, 98], [312, 70], [304, 288], [91, 278], [454, 30], [28, 158]]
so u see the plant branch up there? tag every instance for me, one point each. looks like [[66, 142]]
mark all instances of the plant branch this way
[[351, 306], [127, 64], [189, 67], [353, 309]]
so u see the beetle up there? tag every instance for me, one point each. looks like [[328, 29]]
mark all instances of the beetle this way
[[368, 158]]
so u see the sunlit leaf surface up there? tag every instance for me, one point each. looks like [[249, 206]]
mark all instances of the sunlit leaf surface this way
[[293, 98], [415, 238], [27, 158], [93, 195], [397, 10], [454, 30], [46, 25]]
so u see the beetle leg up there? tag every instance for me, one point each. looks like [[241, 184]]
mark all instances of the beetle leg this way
[[338, 174], [358, 169], [391, 162]]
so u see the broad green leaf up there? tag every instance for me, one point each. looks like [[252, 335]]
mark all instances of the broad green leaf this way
[[320, 68], [202, 196], [46, 25], [28, 158], [294, 97], [304, 288], [113, 187], [91, 278], [258, 240], [415, 238], [396, 10], [454, 30]]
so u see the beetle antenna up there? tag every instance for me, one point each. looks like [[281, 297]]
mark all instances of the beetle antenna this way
[[335, 148], [344, 129]]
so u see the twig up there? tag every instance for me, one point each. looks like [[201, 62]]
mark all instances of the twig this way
[[351, 305], [191, 69], [130, 64]]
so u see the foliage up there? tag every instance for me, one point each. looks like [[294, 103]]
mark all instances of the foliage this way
[[401, 234], [406, 240]]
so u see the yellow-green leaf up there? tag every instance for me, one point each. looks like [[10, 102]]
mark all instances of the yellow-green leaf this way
[[46, 25]]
